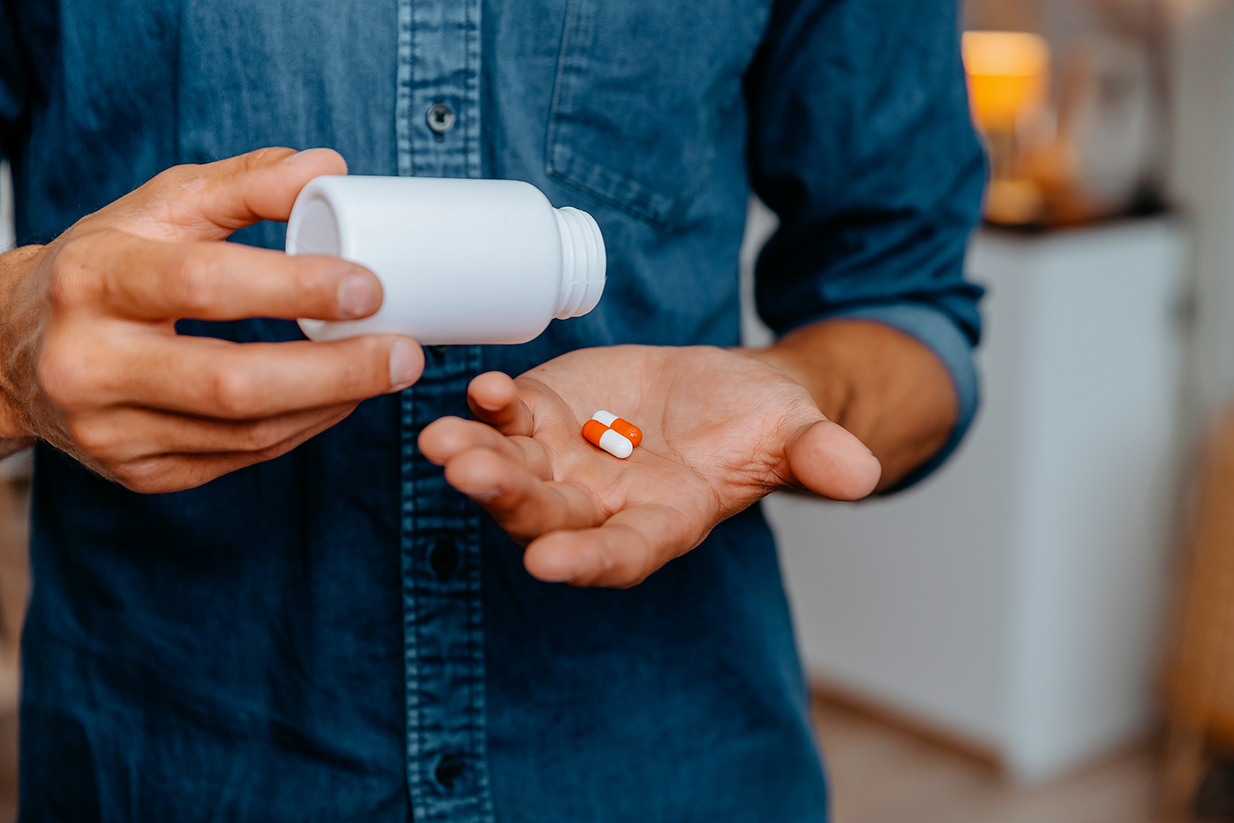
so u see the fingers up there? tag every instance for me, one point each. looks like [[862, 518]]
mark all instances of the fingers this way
[[509, 475], [521, 503], [621, 553], [448, 437], [176, 472], [152, 280], [563, 525], [125, 435], [213, 378], [211, 201], [493, 398], [263, 185], [828, 460]]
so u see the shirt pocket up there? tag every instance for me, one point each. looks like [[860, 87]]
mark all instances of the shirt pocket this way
[[643, 90]]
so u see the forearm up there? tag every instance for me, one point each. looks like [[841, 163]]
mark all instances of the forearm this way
[[884, 386]]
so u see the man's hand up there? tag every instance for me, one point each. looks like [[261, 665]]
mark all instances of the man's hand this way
[[92, 362], [721, 429]]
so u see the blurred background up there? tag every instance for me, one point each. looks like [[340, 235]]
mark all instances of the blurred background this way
[[1044, 631]]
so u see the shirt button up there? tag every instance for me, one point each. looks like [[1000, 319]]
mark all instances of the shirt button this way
[[440, 118], [444, 558], [448, 771]]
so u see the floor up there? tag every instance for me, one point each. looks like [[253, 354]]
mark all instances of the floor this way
[[879, 774]]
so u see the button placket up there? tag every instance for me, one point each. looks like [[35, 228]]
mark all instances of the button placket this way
[[443, 645], [437, 112]]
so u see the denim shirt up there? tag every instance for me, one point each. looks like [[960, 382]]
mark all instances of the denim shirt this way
[[337, 634]]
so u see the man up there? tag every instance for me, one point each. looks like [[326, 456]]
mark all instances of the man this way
[[258, 596]]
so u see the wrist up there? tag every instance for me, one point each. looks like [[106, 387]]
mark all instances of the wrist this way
[[807, 359], [881, 384], [15, 346]]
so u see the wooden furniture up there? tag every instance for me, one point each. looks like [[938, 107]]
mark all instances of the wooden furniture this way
[[1200, 684]]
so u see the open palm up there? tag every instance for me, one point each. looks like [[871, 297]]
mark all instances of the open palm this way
[[721, 430]]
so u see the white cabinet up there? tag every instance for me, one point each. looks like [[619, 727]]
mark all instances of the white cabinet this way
[[1017, 597]]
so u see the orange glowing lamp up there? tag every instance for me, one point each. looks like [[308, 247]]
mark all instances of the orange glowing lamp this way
[[1008, 76]]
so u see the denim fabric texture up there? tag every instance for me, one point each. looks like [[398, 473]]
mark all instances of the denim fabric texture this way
[[337, 635]]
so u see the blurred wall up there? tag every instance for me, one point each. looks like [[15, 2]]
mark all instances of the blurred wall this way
[[17, 466], [1196, 39], [6, 208], [1008, 15], [1201, 182]]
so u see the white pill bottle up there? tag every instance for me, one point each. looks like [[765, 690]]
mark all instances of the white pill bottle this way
[[460, 261]]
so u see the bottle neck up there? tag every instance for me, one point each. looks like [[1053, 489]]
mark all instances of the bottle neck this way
[[583, 263]]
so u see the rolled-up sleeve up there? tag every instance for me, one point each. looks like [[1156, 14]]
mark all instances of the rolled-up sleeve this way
[[861, 142]]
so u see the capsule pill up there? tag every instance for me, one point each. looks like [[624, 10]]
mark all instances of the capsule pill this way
[[623, 427], [613, 442]]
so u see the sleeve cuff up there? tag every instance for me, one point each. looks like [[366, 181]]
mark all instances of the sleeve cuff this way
[[935, 330]]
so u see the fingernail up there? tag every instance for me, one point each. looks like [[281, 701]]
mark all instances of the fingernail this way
[[356, 296], [296, 157], [404, 364]]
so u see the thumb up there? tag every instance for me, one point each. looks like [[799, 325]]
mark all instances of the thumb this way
[[828, 460], [209, 202]]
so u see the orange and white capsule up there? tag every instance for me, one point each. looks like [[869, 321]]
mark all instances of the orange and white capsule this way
[[625, 428], [601, 435]]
